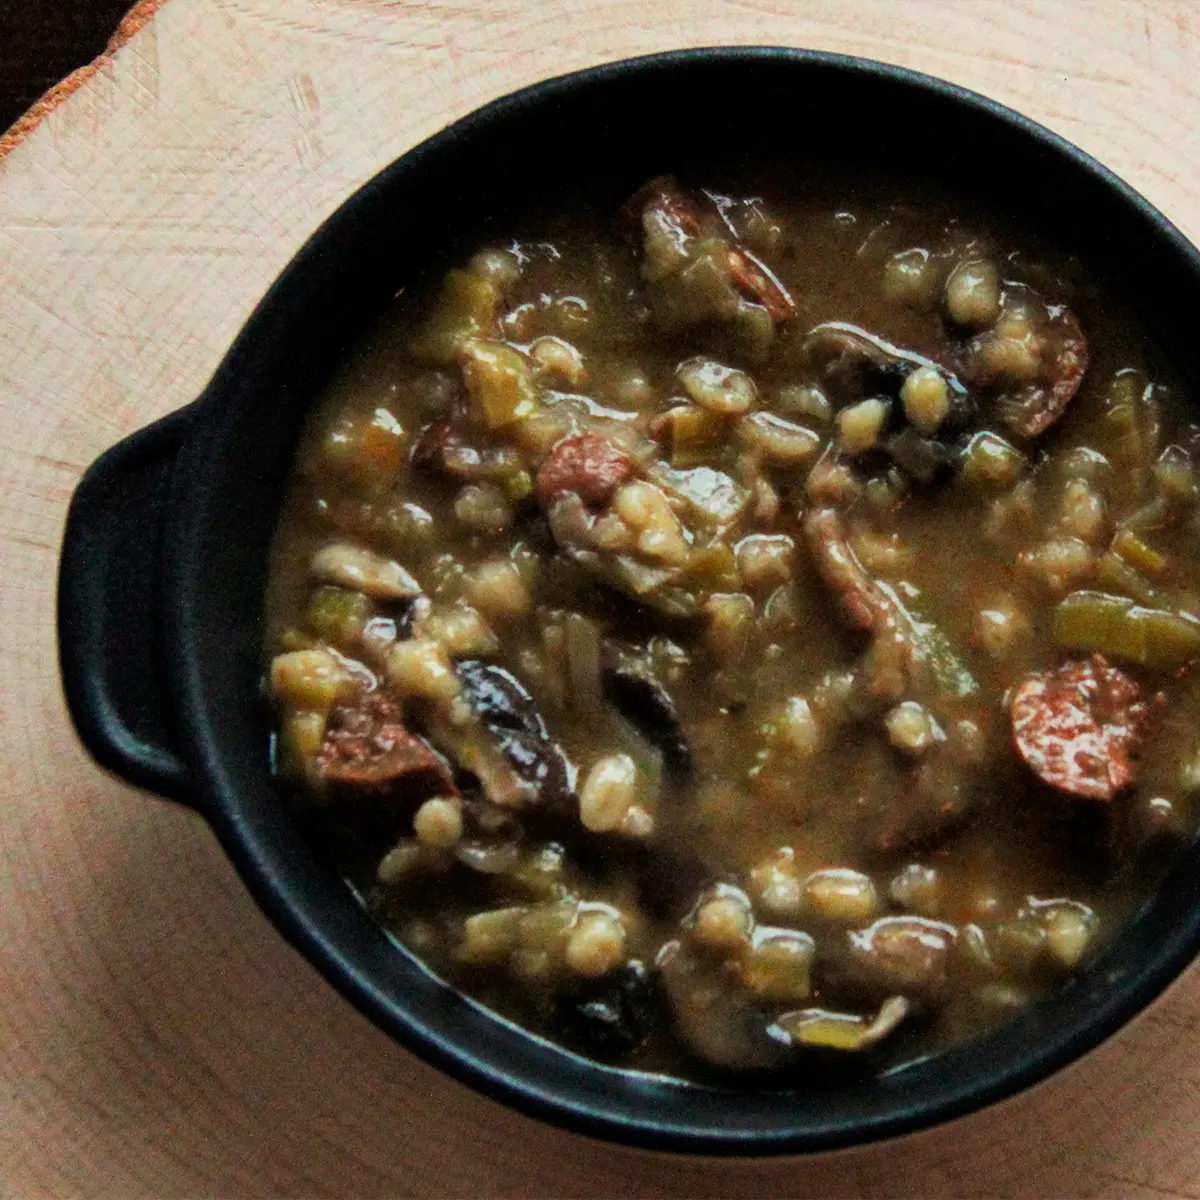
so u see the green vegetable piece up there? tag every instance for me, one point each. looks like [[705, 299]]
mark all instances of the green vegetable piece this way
[[1097, 621], [947, 669], [465, 308], [337, 615], [1118, 576], [500, 382], [1170, 639], [696, 435], [778, 965], [826, 1030], [1115, 625], [1175, 474], [518, 485], [1137, 554]]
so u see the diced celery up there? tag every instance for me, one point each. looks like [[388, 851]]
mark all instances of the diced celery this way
[[947, 669], [465, 308], [1151, 637], [1175, 474], [1115, 573], [337, 615], [1098, 621], [500, 382], [779, 966], [1137, 554], [1170, 639], [713, 567], [518, 485], [301, 735], [695, 434], [712, 496], [313, 680], [826, 1030]]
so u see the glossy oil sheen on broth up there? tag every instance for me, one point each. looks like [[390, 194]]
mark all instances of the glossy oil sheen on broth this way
[[750, 628]]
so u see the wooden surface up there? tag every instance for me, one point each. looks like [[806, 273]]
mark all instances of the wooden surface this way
[[42, 40], [156, 1037]]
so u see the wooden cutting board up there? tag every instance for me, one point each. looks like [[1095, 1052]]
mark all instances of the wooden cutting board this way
[[157, 1038]]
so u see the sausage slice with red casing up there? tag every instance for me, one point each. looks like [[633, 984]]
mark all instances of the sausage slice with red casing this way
[[371, 759], [1080, 727], [586, 464]]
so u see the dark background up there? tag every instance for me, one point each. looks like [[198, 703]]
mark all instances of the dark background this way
[[43, 40]]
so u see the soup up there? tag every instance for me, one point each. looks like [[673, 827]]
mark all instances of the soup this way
[[748, 629]]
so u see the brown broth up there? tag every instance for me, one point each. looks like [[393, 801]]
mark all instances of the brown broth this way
[[1018, 846]]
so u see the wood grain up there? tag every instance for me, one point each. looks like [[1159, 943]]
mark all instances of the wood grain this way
[[156, 1037], [40, 43]]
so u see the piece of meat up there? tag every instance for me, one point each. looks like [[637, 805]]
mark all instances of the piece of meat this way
[[444, 448], [757, 282], [663, 197], [584, 463], [1079, 728], [429, 449], [369, 756], [670, 221], [859, 599], [1034, 408], [1030, 393], [934, 802]]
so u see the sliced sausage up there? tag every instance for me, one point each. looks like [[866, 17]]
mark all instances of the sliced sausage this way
[[663, 197], [1080, 727], [1035, 395], [672, 221], [369, 755], [584, 463]]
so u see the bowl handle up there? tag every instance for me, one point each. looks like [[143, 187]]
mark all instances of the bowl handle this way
[[109, 635]]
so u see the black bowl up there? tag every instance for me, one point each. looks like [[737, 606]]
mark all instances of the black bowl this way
[[165, 554]]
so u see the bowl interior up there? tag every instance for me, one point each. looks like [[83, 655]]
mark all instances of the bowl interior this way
[[599, 135]]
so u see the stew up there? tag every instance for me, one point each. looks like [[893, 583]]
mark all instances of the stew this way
[[748, 628]]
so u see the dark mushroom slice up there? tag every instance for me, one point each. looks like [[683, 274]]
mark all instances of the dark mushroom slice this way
[[667, 878], [860, 602], [929, 461], [611, 1016], [860, 364], [939, 799], [507, 711], [647, 705]]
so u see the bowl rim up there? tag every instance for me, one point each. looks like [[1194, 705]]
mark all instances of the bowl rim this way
[[540, 1098]]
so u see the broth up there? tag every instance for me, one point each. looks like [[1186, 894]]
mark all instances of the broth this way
[[749, 629]]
